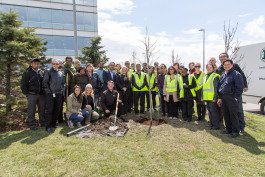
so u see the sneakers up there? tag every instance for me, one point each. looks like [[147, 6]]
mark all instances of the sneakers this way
[[174, 118], [70, 124]]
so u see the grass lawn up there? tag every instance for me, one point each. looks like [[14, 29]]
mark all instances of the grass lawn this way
[[178, 149]]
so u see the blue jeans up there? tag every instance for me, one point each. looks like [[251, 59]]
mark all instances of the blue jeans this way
[[85, 113], [75, 117]]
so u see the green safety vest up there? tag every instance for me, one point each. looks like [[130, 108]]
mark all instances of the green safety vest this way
[[208, 87], [139, 82], [130, 73], [171, 85], [199, 81], [152, 82], [190, 82]]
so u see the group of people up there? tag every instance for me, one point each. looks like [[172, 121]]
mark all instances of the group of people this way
[[92, 93]]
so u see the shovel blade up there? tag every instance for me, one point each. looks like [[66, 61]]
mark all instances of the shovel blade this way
[[113, 128]]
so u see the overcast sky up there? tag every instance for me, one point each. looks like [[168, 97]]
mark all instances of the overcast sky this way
[[175, 25]]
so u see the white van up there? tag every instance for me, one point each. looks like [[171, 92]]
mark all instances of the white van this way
[[253, 64]]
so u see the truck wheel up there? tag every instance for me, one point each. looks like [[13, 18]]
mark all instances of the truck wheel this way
[[262, 107]]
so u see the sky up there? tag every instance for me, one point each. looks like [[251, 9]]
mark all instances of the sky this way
[[175, 25]]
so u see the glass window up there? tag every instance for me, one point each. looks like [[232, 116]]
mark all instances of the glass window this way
[[57, 16], [45, 15], [68, 17], [33, 14]]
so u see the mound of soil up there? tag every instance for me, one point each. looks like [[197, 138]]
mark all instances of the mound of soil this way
[[101, 128]]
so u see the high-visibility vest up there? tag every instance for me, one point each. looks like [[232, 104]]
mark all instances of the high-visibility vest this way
[[181, 89], [130, 73], [152, 82], [199, 81], [139, 81], [208, 87], [190, 83], [171, 85]]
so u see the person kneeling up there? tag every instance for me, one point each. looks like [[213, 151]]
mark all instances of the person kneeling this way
[[88, 105], [109, 100], [74, 103]]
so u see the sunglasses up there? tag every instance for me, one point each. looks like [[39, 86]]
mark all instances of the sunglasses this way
[[55, 64], [197, 66]]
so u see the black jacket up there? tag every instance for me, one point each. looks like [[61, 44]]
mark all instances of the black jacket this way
[[122, 81], [187, 93], [31, 82], [108, 100], [231, 83], [54, 82], [236, 67], [95, 82], [87, 100]]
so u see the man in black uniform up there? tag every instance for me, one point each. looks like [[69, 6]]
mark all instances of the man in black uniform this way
[[230, 89], [109, 99], [223, 57], [31, 86]]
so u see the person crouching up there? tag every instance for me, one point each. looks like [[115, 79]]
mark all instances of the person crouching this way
[[109, 99], [74, 103]]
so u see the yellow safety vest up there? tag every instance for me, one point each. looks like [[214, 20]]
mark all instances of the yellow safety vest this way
[[208, 87], [199, 81], [171, 85], [152, 82], [139, 81], [190, 82], [130, 73]]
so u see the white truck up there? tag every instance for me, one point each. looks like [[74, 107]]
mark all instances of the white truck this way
[[253, 62]]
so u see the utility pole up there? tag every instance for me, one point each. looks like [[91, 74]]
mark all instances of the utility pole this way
[[203, 63]]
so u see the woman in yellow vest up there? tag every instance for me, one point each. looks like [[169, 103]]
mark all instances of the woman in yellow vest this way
[[189, 94], [200, 104], [210, 96], [153, 86], [173, 91]]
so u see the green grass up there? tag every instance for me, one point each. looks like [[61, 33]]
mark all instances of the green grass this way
[[178, 149]]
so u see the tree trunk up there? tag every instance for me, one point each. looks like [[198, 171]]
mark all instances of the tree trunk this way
[[8, 89]]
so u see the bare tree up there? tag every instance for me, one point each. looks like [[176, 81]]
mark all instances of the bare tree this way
[[232, 47], [150, 51], [175, 59]]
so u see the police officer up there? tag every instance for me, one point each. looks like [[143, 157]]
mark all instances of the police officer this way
[[230, 90]]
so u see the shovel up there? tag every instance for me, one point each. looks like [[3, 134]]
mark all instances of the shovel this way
[[114, 126]]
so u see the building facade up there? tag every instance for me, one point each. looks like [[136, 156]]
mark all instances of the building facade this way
[[54, 21]]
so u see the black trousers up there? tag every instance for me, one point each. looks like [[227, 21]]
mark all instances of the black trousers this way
[[201, 109], [171, 107], [126, 101], [162, 103], [214, 115], [153, 93], [230, 112], [139, 96], [53, 108], [187, 109], [33, 101]]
